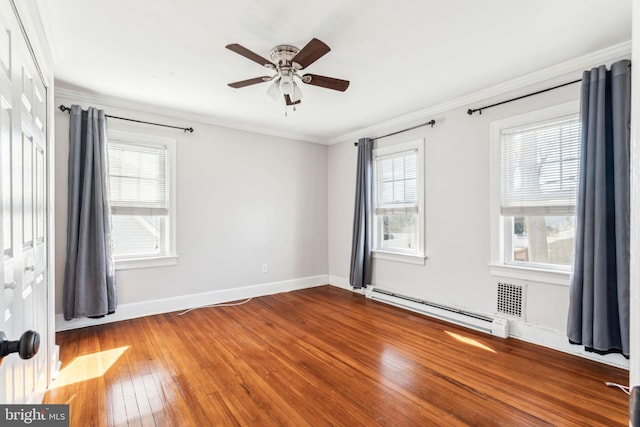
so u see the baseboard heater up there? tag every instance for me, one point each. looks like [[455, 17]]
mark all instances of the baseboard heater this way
[[494, 326]]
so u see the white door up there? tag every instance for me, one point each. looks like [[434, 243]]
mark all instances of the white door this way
[[23, 301]]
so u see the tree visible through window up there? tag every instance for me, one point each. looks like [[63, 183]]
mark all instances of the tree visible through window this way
[[398, 198], [539, 176]]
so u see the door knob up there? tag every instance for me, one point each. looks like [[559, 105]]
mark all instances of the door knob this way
[[26, 347]]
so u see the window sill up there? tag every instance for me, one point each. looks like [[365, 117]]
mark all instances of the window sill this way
[[554, 277], [395, 256], [132, 263]]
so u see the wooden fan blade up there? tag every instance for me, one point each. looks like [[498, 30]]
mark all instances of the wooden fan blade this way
[[309, 54], [327, 82], [249, 82], [241, 50], [287, 99]]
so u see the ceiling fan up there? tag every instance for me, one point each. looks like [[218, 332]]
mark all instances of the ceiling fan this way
[[286, 61]]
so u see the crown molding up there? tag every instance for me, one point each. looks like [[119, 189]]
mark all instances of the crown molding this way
[[610, 54], [105, 101], [613, 53]]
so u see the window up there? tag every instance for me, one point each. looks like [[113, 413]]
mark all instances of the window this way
[[142, 196], [537, 162], [398, 201]]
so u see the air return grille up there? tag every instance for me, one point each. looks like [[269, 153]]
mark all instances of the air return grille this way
[[510, 299]]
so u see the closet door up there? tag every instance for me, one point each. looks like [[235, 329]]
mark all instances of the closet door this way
[[24, 209]]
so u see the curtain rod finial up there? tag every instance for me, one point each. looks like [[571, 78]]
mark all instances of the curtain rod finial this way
[[470, 112]]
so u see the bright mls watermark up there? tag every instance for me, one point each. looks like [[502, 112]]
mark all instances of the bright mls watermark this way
[[34, 415]]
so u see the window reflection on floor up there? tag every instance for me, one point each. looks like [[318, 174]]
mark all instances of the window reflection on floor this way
[[87, 367], [470, 341]]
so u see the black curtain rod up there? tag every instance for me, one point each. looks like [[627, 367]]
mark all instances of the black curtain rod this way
[[190, 130], [430, 122], [476, 110]]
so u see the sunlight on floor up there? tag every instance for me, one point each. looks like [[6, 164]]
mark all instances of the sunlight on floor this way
[[470, 341], [87, 367]]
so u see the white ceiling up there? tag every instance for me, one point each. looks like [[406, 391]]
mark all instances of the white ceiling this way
[[400, 56]]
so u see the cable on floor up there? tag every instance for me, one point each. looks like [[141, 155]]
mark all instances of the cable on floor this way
[[216, 305], [620, 386]]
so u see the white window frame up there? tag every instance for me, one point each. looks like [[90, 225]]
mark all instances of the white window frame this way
[[499, 267], [417, 256], [171, 256]]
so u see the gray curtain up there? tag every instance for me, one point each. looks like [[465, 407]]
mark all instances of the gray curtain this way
[[89, 281], [361, 267], [599, 293]]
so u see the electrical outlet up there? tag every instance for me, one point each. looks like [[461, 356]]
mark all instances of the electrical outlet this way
[[265, 268]]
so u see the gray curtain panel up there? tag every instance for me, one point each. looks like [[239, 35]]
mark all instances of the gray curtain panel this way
[[89, 288], [361, 267], [599, 292]]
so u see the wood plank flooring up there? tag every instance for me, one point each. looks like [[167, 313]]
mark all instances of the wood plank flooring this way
[[320, 357]]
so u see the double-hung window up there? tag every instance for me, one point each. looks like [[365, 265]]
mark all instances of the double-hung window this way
[[142, 197], [398, 202], [535, 181]]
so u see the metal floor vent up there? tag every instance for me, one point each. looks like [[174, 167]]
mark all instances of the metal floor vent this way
[[510, 299]]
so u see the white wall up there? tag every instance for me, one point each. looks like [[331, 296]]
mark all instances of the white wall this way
[[244, 199], [457, 193]]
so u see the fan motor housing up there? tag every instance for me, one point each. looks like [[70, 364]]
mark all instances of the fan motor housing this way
[[282, 55]]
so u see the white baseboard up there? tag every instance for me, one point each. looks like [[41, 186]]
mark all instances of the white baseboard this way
[[558, 341], [340, 282], [167, 305], [343, 283], [534, 334]]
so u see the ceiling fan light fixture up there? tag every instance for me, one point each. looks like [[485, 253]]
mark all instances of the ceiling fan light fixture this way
[[296, 94], [287, 61], [286, 85], [274, 90]]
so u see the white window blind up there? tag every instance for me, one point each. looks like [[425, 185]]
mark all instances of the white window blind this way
[[138, 179], [397, 184], [540, 166]]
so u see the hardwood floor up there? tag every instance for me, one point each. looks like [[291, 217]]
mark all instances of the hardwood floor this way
[[323, 356]]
